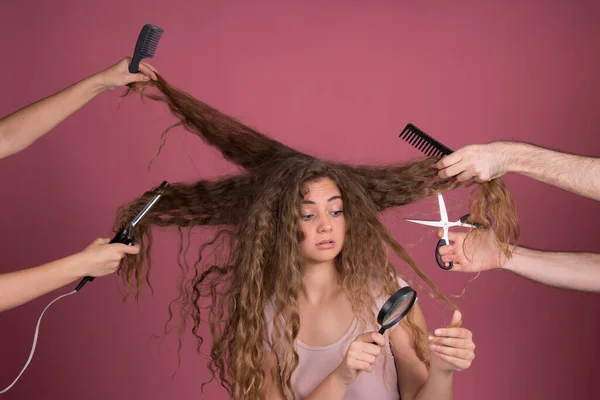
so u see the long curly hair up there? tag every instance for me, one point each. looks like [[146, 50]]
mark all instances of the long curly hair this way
[[256, 217]]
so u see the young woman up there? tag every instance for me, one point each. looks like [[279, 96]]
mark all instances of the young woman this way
[[293, 304]]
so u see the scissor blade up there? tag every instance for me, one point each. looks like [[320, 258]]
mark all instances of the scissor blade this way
[[443, 213], [462, 224], [438, 224]]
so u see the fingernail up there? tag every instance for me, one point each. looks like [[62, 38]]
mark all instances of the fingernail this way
[[430, 337], [438, 332], [434, 347]]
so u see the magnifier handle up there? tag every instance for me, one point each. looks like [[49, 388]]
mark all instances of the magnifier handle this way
[[438, 259], [381, 330]]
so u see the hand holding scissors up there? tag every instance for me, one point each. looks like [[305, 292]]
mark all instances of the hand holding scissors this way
[[445, 224]]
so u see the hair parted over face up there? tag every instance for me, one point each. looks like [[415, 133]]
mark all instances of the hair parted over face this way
[[284, 209]]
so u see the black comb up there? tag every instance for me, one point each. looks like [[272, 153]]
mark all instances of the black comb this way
[[145, 45], [423, 142]]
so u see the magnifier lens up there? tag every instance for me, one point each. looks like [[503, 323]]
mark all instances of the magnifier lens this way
[[398, 308]]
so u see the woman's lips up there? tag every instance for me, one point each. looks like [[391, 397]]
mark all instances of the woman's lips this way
[[326, 244]]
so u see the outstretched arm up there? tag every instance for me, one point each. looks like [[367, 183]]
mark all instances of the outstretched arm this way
[[23, 127], [98, 259], [577, 174], [473, 253]]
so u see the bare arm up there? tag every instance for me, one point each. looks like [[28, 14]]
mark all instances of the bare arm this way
[[98, 259], [577, 174], [23, 127], [414, 380], [577, 271], [473, 253]]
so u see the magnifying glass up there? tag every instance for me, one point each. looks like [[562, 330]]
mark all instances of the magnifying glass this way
[[395, 308]]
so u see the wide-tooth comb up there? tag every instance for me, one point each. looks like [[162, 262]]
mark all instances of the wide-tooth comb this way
[[145, 45], [423, 142]]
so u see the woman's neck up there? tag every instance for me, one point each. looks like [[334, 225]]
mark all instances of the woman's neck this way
[[320, 282]]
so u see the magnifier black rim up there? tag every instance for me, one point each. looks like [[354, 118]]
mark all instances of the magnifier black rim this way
[[403, 292]]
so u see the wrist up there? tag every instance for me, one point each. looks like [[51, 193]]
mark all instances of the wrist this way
[[436, 373], [76, 265], [96, 83], [337, 378], [511, 264], [517, 156]]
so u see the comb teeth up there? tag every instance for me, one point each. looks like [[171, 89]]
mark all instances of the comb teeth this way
[[150, 36], [423, 142], [145, 46]]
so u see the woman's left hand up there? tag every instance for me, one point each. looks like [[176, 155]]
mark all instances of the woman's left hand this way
[[118, 74], [452, 348]]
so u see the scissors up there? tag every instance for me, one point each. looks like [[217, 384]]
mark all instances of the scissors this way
[[445, 224]]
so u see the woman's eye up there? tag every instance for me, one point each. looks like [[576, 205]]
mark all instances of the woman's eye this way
[[307, 217], [337, 213]]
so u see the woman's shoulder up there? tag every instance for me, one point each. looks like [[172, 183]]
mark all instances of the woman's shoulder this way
[[379, 292]]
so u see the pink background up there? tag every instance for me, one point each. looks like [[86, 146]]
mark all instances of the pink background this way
[[338, 80]]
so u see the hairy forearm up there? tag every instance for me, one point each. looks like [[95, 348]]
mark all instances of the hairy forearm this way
[[20, 287], [23, 127], [577, 174], [439, 386], [577, 271], [329, 389]]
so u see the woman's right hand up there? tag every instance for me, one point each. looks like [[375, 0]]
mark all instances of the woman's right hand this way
[[361, 356], [103, 258]]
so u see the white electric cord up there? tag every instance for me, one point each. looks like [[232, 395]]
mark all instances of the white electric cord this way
[[35, 337]]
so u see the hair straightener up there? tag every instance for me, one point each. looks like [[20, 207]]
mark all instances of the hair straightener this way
[[125, 235]]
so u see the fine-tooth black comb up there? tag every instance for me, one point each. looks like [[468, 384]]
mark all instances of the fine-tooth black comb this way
[[145, 45], [423, 142]]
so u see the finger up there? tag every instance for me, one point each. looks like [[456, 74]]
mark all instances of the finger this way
[[143, 68], [445, 250], [453, 170], [465, 175], [449, 160], [460, 354], [132, 249], [123, 249], [369, 348], [149, 66], [456, 363], [362, 366], [456, 319], [364, 357], [456, 237], [138, 78], [452, 342], [453, 333], [371, 337]]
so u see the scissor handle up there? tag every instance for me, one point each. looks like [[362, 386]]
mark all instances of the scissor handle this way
[[441, 242]]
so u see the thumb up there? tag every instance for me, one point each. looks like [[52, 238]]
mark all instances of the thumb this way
[[456, 319], [138, 77]]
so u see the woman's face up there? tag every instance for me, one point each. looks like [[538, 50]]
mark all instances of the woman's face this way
[[322, 221]]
